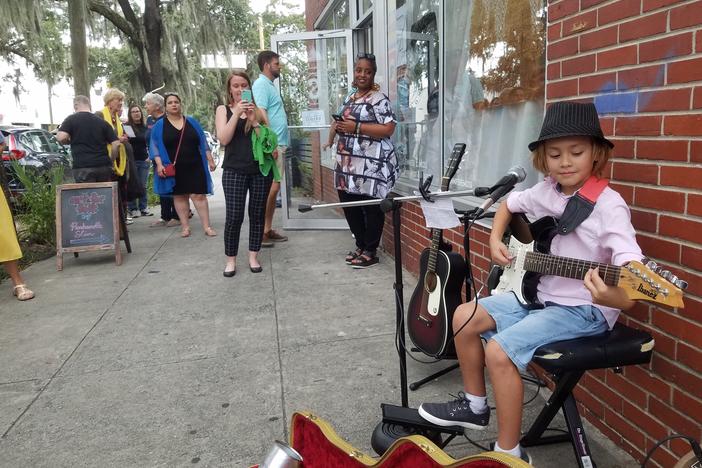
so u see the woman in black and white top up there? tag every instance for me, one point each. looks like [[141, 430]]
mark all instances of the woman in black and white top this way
[[366, 165]]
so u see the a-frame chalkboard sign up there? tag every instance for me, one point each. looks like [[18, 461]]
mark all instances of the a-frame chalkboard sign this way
[[87, 219]]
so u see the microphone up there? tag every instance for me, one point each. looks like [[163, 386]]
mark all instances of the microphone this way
[[503, 186], [515, 175]]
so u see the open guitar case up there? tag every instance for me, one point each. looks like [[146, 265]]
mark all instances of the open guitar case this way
[[320, 447]]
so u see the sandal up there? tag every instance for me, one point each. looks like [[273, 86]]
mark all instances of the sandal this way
[[365, 260], [22, 292], [209, 232], [185, 232], [352, 255]]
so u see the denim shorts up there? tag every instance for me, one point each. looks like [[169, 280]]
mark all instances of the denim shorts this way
[[521, 331]]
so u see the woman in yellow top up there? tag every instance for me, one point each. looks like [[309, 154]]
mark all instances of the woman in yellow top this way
[[10, 250], [124, 166]]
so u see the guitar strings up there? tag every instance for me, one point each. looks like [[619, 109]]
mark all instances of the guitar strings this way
[[609, 273]]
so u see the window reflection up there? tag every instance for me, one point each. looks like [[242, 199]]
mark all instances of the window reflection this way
[[489, 94], [418, 91], [338, 18]]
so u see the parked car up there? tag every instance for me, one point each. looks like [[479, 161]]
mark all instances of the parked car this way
[[35, 149], [213, 143]]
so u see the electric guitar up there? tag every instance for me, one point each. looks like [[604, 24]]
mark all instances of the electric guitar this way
[[438, 291], [531, 260]]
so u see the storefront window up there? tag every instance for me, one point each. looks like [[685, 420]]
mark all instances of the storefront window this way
[[414, 25], [338, 18], [487, 92]]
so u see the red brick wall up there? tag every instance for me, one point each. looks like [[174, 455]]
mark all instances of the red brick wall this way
[[312, 10], [640, 61]]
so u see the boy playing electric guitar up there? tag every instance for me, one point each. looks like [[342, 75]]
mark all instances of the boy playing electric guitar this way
[[572, 152]]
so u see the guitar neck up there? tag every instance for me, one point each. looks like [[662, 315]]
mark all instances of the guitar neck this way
[[435, 242], [569, 267]]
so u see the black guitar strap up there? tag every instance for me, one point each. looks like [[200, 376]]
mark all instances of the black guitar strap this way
[[581, 205]]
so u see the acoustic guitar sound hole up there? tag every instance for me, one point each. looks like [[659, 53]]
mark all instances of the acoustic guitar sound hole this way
[[430, 282]]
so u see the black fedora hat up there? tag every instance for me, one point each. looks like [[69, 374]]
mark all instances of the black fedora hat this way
[[564, 119]]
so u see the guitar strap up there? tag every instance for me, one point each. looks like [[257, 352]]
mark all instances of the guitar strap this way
[[581, 205]]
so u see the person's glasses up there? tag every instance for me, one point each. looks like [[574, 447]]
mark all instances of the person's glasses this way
[[366, 56]]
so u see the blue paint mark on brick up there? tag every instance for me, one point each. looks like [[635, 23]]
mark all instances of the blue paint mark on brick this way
[[621, 103]]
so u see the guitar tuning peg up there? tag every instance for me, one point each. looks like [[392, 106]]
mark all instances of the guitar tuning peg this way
[[665, 274], [682, 284], [651, 265], [672, 278], [645, 260]]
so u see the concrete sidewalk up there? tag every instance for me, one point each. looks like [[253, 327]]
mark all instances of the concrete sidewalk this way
[[164, 362]]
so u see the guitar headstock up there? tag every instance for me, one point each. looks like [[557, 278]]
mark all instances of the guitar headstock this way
[[454, 161], [641, 283]]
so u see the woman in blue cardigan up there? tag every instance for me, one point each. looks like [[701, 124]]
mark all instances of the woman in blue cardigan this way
[[179, 140]]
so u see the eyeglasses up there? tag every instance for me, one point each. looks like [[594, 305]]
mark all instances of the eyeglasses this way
[[366, 56]]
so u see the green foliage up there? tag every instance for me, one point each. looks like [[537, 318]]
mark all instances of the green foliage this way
[[37, 206], [151, 198], [189, 28], [38, 42], [119, 66]]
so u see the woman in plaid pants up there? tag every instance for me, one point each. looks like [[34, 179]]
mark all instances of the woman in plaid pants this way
[[248, 168]]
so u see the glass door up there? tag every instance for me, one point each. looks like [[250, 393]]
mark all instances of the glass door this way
[[314, 81]]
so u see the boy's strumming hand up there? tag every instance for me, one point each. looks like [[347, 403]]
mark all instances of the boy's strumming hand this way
[[499, 252], [602, 294]]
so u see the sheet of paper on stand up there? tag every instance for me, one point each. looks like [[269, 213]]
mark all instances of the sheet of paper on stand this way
[[440, 214]]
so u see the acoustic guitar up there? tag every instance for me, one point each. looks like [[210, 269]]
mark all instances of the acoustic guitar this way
[[532, 260], [438, 291]]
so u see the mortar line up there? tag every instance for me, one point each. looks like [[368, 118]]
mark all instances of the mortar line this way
[[70, 355]]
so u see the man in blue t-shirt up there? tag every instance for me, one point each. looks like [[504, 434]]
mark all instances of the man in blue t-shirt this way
[[268, 99]]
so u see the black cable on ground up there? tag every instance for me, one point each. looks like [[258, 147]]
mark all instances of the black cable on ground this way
[[693, 443]]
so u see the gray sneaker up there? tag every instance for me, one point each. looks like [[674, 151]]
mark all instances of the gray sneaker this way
[[134, 213], [454, 413]]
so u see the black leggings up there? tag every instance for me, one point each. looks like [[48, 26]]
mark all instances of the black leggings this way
[[366, 222], [236, 186]]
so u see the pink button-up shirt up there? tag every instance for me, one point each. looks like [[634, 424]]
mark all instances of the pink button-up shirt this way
[[606, 236]]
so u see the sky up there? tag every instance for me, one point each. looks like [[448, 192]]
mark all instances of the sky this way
[[33, 109]]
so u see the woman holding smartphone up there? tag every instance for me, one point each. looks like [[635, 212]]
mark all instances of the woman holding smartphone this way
[[248, 167], [364, 127]]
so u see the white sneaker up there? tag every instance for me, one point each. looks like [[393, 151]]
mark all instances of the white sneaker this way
[[135, 213]]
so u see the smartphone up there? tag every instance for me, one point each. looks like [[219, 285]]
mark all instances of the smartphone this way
[[246, 95], [337, 117]]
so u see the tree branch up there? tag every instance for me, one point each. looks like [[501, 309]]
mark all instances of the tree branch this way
[[113, 17], [7, 49], [129, 14]]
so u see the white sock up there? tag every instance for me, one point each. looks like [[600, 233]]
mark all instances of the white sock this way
[[478, 404], [516, 451]]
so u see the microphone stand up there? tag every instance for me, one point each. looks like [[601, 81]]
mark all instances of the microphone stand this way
[[400, 421], [303, 208]]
